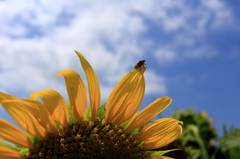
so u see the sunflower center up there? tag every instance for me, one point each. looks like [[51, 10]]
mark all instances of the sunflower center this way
[[89, 140]]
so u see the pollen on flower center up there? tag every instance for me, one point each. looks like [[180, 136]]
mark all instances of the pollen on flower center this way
[[89, 140]]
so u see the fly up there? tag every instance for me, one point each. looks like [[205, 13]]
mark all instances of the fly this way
[[140, 63]]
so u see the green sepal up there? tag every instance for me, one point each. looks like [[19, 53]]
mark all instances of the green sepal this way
[[87, 115], [72, 119], [24, 151], [4, 144], [135, 131], [21, 150], [58, 125], [126, 123], [102, 111], [18, 146], [32, 138], [160, 153], [141, 143]]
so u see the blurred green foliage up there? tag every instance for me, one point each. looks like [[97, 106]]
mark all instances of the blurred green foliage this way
[[230, 142], [199, 139]]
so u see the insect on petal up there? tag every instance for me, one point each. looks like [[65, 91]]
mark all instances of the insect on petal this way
[[126, 97]]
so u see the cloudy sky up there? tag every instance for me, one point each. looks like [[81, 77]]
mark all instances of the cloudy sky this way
[[193, 46]]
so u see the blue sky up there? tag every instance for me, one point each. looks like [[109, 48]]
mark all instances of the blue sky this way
[[193, 46]]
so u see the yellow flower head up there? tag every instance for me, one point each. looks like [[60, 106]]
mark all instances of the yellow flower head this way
[[58, 130]]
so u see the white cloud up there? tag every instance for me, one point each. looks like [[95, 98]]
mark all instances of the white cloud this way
[[190, 16], [184, 40], [38, 38], [201, 52], [165, 55], [155, 83], [221, 14], [36, 60]]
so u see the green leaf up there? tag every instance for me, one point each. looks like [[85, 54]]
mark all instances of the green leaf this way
[[199, 140]]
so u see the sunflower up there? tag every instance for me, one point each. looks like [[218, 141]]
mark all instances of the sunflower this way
[[56, 130]]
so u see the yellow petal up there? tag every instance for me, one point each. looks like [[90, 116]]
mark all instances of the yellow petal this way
[[158, 157], [41, 113], [5, 96], [25, 118], [11, 133], [148, 113], [162, 137], [93, 86], [6, 153], [126, 97], [157, 128], [76, 93], [55, 104]]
